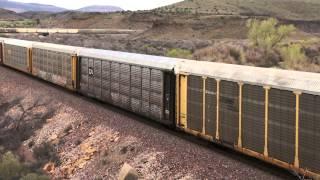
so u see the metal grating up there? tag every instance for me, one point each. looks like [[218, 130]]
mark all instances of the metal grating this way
[[195, 103], [253, 119], [281, 125], [115, 85], [211, 106], [229, 112], [309, 132], [52, 66], [136, 89], [84, 77], [97, 82], [156, 94], [146, 84], [133, 88], [125, 86], [106, 81], [91, 78], [16, 57]]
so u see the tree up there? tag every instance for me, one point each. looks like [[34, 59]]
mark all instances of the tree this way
[[267, 33]]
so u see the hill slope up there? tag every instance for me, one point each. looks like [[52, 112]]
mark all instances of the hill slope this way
[[284, 9], [23, 7], [100, 9], [9, 15]]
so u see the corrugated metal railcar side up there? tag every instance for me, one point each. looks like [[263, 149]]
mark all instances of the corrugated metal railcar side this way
[[266, 113], [16, 54], [55, 63], [127, 81]]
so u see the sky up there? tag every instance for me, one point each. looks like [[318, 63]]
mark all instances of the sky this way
[[124, 4]]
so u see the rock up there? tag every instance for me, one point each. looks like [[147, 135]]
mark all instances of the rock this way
[[49, 167], [53, 137], [128, 173]]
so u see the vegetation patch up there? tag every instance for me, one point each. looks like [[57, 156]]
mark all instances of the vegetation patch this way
[[179, 53], [12, 168], [26, 23]]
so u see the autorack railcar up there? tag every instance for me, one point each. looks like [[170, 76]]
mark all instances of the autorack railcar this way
[[267, 113], [139, 83], [55, 63], [17, 54]]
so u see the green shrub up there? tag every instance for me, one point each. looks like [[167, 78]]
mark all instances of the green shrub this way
[[33, 176], [179, 53], [10, 167], [267, 33], [293, 56]]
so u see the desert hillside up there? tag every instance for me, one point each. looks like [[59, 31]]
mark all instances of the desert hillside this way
[[283, 9]]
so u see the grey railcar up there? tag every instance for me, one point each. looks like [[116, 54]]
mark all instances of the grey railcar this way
[[124, 80]]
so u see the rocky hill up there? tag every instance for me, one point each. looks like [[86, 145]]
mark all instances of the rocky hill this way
[[9, 15], [23, 7], [283, 9]]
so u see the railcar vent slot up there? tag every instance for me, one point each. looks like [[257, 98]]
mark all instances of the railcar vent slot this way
[[229, 112], [253, 119], [156, 94], [125, 86], [281, 125], [309, 132], [115, 85], [106, 81], [136, 89], [211, 106], [195, 103]]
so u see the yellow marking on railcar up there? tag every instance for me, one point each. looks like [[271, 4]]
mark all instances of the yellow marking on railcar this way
[[74, 71], [183, 100], [218, 108], [2, 52], [240, 114], [296, 157], [266, 152], [30, 60], [178, 100], [204, 106]]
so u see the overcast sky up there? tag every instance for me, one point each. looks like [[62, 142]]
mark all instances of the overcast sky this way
[[125, 4]]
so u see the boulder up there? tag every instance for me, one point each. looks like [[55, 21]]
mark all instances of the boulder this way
[[128, 173]]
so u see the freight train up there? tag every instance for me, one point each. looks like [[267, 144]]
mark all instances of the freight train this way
[[267, 113]]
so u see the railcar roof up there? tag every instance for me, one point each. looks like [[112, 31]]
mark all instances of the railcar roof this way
[[56, 47], [277, 78], [131, 58], [17, 42]]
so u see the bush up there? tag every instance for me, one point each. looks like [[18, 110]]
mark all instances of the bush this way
[[10, 167], [179, 53], [33, 176], [46, 153], [268, 34], [293, 56]]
